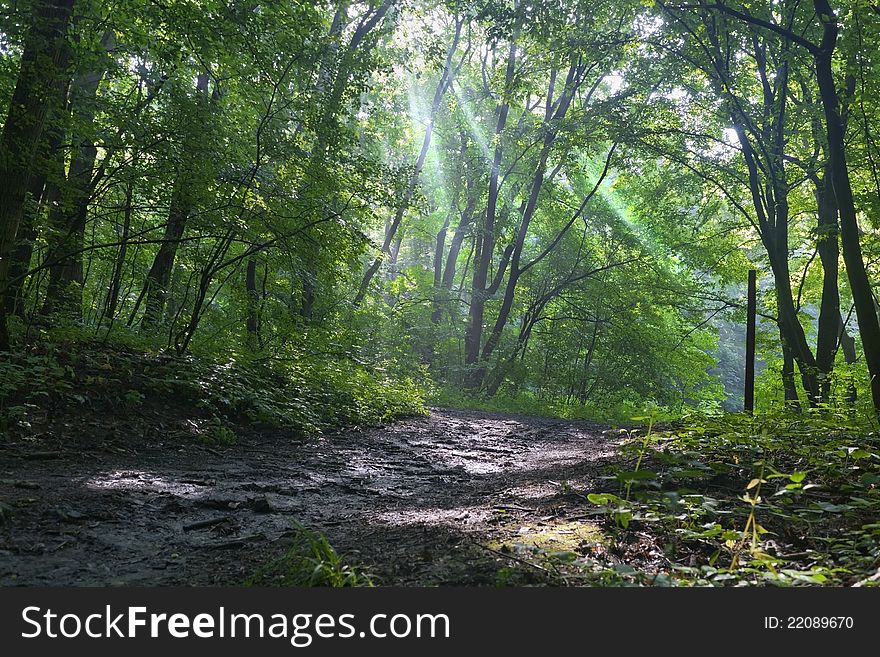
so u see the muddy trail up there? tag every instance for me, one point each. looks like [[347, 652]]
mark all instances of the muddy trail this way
[[426, 501]]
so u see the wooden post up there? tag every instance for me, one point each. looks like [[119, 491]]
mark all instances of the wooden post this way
[[751, 312]]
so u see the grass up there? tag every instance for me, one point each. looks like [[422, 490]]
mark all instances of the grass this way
[[309, 561]]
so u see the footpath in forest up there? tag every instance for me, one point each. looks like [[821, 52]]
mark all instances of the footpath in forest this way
[[451, 498]]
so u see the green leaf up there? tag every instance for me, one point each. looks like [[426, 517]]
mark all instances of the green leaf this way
[[623, 518]]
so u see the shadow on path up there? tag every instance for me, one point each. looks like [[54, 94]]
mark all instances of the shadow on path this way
[[415, 502]]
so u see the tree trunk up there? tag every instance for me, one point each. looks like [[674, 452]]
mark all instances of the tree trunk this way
[[850, 357], [183, 338], [860, 286], [116, 279], [486, 239], [829, 309], [67, 219], [159, 276], [21, 256], [792, 401], [513, 278], [42, 61], [253, 298], [391, 232], [181, 207], [792, 332], [531, 317], [572, 84], [448, 278], [393, 269], [772, 217], [41, 194], [439, 250]]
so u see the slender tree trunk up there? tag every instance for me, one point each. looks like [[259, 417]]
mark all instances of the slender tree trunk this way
[[21, 256], [848, 345], [448, 278], [850, 357], [116, 278], [184, 337], [440, 245], [486, 239], [774, 235], [588, 361], [159, 276], [41, 63], [439, 251], [513, 278], [41, 193], [67, 219], [181, 207], [791, 330], [829, 309], [494, 338], [789, 387], [528, 323], [394, 258], [252, 322], [763, 148], [391, 232], [454, 250]]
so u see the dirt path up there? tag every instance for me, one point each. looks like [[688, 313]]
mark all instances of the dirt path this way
[[422, 501]]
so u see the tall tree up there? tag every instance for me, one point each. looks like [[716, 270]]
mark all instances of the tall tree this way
[[68, 217], [42, 61], [446, 79]]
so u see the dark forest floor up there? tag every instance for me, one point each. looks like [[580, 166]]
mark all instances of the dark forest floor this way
[[446, 499]]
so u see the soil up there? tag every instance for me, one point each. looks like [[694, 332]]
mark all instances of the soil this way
[[424, 501]]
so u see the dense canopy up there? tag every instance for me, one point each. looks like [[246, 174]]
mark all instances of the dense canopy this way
[[269, 219], [528, 198]]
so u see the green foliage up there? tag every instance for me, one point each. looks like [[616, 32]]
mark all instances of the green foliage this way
[[256, 157], [217, 433], [309, 561], [781, 499], [618, 413], [304, 396], [200, 222]]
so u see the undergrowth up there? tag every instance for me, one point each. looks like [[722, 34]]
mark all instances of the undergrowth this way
[[781, 498], [302, 394], [309, 561], [618, 413]]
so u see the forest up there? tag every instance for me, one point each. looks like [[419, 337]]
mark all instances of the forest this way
[[426, 292]]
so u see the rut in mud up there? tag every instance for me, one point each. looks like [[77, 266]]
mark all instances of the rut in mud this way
[[419, 502]]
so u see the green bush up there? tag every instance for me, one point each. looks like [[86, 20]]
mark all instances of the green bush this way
[[304, 394]]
